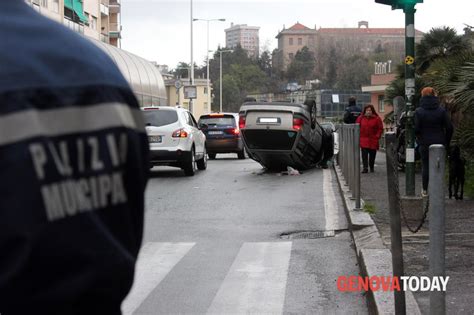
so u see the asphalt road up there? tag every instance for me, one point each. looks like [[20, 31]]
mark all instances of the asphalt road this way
[[229, 241]]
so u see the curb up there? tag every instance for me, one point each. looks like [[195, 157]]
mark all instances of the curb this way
[[375, 259]]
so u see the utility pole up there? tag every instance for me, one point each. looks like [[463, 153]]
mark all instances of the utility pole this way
[[207, 60], [408, 7], [191, 77], [220, 77]]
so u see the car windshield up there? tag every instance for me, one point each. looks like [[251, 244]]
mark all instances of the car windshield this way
[[217, 121], [158, 118]]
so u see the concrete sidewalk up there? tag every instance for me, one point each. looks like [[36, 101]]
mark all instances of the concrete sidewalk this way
[[373, 243]]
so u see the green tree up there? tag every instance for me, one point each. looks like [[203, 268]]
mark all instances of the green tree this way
[[330, 75], [181, 70], [355, 73], [265, 63], [453, 78], [302, 66], [231, 96], [438, 43]]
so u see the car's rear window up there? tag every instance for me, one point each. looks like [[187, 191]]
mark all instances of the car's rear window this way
[[160, 117], [217, 121]]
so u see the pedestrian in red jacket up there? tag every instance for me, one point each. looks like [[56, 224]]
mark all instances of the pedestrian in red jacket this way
[[370, 132]]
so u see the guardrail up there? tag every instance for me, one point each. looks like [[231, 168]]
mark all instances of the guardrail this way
[[349, 158]]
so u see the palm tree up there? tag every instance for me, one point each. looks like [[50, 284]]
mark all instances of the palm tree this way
[[453, 78], [439, 43]]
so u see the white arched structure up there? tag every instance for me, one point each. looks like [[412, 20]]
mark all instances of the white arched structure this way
[[144, 78]]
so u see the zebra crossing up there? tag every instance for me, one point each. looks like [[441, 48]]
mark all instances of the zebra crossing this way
[[255, 283], [155, 261], [247, 271]]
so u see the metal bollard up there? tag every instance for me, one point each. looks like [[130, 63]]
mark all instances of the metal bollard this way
[[437, 224], [349, 157], [395, 222], [354, 154], [357, 166], [346, 159]]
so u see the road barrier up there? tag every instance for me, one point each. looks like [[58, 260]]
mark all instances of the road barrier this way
[[349, 158]]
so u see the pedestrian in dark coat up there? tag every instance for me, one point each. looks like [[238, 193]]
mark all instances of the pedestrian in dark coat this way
[[73, 170], [432, 126], [352, 111], [371, 129]]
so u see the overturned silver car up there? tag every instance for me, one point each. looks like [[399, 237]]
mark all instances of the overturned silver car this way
[[279, 134]]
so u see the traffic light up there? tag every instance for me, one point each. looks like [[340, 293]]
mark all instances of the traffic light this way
[[398, 4]]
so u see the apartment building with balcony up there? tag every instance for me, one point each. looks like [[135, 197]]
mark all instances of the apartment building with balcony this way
[[245, 36], [98, 19]]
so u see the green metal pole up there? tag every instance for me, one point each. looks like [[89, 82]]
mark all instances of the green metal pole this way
[[409, 93]]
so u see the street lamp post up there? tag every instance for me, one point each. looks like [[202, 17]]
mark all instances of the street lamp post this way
[[207, 61], [220, 76], [191, 76]]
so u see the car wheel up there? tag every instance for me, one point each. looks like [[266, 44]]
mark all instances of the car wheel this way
[[190, 165], [212, 156], [241, 155], [202, 163]]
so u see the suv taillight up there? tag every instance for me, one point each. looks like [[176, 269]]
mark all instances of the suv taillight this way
[[241, 122], [180, 133], [298, 123], [232, 131]]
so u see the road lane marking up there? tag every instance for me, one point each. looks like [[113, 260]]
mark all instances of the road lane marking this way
[[256, 282], [154, 262], [330, 205]]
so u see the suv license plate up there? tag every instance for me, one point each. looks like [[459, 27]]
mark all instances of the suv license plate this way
[[154, 139], [215, 132]]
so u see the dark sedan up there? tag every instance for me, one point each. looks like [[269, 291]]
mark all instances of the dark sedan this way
[[222, 134]]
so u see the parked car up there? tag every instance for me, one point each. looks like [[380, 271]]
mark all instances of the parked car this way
[[175, 139], [280, 134], [222, 134]]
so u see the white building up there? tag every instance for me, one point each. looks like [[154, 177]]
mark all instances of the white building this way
[[246, 36]]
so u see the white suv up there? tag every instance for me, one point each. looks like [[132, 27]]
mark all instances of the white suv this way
[[175, 139]]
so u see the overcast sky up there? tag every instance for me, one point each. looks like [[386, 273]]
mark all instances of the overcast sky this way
[[159, 30]]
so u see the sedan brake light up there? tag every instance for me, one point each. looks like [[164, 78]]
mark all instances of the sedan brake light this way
[[232, 131], [298, 123], [241, 122], [180, 133]]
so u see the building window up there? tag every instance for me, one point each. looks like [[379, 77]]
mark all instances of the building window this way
[[205, 90], [44, 3], [55, 6], [300, 41], [93, 22], [290, 42], [381, 104]]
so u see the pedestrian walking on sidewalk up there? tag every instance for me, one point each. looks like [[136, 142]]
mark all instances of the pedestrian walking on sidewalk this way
[[432, 126], [371, 129], [73, 169], [352, 111]]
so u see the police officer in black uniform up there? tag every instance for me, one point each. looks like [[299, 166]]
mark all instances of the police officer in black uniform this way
[[73, 169], [352, 111]]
